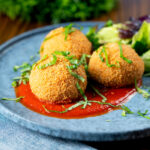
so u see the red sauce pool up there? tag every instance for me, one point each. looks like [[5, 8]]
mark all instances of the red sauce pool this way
[[114, 96]]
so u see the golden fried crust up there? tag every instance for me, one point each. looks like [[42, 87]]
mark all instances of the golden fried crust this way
[[116, 76], [55, 84], [76, 43]]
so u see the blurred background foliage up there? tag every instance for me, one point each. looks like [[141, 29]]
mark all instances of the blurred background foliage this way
[[54, 11]]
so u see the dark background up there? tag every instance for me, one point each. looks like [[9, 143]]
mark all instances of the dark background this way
[[124, 10]]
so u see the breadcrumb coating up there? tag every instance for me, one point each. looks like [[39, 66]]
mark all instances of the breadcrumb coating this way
[[55, 84], [76, 43], [121, 76]]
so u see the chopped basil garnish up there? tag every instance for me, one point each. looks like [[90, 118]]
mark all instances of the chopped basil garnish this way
[[125, 110], [80, 103], [25, 70], [97, 91], [67, 109], [108, 120], [42, 59], [68, 30], [100, 55], [81, 91], [75, 74], [123, 113], [106, 57], [48, 64], [63, 53], [47, 38], [83, 61], [14, 84], [24, 65], [121, 54], [144, 93], [104, 103], [13, 99], [107, 61], [143, 114]]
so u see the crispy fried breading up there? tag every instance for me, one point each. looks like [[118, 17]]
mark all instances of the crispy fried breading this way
[[76, 43], [55, 84], [123, 74]]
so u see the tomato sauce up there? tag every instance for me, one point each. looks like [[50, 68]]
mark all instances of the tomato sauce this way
[[114, 96]]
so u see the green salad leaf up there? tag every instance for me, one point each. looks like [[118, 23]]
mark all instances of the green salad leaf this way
[[92, 36], [141, 40], [110, 33], [146, 59]]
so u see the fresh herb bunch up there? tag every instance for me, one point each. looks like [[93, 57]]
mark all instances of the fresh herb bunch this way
[[55, 10]]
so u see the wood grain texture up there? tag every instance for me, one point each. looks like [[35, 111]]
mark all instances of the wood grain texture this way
[[124, 10]]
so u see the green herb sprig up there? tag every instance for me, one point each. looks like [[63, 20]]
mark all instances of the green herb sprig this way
[[92, 37], [25, 70], [48, 64], [80, 103], [83, 104], [97, 91], [13, 99], [106, 57], [68, 30], [83, 61], [47, 38], [75, 74], [121, 54], [100, 55], [42, 59], [143, 114], [144, 93], [126, 110]]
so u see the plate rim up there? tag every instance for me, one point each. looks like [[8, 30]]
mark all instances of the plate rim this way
[[113, 136]]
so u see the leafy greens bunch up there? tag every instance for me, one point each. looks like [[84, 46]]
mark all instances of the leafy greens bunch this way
[[55, 10]]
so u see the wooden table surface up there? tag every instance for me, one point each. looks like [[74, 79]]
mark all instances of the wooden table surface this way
[[124, 10]]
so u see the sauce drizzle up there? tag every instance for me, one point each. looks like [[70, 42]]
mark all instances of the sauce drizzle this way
[[114, 96]]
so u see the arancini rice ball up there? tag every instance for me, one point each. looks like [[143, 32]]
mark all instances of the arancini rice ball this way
[[54, 84], [76, 43], [120, 75]]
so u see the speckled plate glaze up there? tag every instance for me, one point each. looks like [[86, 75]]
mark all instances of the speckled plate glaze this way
[[19, 50]]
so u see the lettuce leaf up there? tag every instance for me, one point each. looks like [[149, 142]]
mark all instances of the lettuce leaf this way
[[141, 40], [146, 59], [111, 34]]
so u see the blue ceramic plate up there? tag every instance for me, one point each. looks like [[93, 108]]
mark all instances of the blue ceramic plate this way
[[19, 50], [14, 137]]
